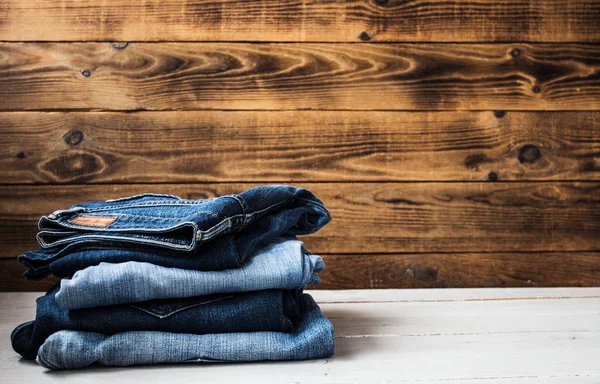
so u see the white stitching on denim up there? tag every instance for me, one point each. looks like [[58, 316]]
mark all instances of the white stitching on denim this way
[[150, 204], [206, 234], [149, 229], [142, 216], [125, 230], [58, 232], [129, 240], [155, 218], [217, 229]]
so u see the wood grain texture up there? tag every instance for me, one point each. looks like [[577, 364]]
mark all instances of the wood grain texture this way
[[301, 20], [151, 147], [375, 217], [460, 270], [184, 76]]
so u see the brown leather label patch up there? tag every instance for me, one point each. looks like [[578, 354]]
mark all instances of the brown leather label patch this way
[[93, 220]]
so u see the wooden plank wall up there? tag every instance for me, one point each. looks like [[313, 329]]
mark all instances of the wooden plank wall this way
[[456, 143]]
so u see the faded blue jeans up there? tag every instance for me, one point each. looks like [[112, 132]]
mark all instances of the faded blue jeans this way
[[207, 234], [282, 264], [271, 310], [311, 338]]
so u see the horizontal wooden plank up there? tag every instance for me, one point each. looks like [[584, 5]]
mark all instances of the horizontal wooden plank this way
[[286, 146], [462, 270], [184, 76], [473, 270], [375, 217], [301, 20]]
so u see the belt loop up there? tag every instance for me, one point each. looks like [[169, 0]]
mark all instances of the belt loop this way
[[245, 209], [242, 202]]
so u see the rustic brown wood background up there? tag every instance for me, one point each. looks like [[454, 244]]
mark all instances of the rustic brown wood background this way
[[456, 142]]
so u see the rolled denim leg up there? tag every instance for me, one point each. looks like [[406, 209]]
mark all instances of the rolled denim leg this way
[[169, 222], [224, 252], [271, 310], [157, 222], [312, 338], [283, 264]]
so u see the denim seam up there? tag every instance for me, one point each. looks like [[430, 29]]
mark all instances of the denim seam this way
[[179, 309], [146, 204], [30, 255], [241, 202], [156, 218], [311, 202], [39, 224], [65, 234], [133, 230], [248, 217], [217, 229], [62, 234], [130, 215], [125, 239], [70, 225], [86, 247]]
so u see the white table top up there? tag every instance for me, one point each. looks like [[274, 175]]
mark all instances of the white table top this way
[[391, 336]]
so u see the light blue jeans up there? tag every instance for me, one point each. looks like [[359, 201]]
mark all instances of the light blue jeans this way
[[312, 338], [283, 264]]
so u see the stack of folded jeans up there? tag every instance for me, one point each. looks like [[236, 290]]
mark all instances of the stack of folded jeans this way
[[154, 278]]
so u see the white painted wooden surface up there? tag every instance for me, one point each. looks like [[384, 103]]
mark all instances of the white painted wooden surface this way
[[391, 336]]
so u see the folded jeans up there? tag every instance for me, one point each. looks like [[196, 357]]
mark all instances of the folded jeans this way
[[282, 264], [271, 310], [158, 223], [312, 338]]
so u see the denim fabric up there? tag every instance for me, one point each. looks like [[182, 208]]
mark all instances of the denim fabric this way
[[273, 310], [165, 222], [312, 338], [283, 264], [221, 253]]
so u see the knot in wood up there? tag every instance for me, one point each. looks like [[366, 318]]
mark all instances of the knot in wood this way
[[73, 138], [529, 154]]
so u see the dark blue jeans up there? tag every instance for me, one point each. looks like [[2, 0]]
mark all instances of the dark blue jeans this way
[[271, 310], [311, 338], [169, 231]]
